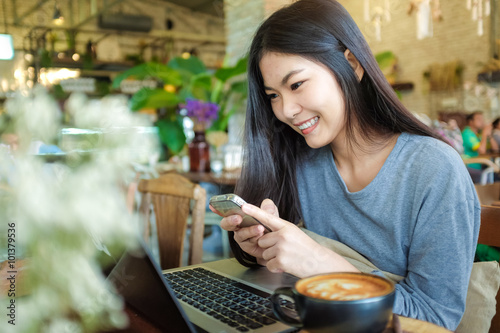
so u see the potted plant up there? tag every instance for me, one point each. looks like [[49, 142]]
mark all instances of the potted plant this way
[[180, 81]]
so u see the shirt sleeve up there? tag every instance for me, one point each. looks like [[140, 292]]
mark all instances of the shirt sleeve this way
[[439, 264]]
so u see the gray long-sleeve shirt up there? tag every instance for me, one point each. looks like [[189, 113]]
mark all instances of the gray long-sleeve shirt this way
[[418, 218]]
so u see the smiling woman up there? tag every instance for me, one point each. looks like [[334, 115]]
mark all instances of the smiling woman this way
[[328, 144]]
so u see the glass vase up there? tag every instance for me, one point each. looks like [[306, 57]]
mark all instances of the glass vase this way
[[199, 153]]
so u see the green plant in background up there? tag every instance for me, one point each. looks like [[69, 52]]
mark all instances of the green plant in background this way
[[387, 62], [163, 98], [182, 79], [217, 87]]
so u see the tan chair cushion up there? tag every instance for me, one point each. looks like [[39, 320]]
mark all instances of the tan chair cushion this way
[[484, 283], [480, 306]]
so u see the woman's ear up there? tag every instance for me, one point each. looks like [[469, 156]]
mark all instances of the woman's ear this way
[[356, 66]]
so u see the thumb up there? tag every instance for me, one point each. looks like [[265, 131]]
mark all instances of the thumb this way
[[273, 222], [269, 207]]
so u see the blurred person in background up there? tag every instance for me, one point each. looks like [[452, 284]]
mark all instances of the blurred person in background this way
[[476, 136], [495, 134]]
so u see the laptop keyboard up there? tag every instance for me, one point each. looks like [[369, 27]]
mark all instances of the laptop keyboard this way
[[227, 300]]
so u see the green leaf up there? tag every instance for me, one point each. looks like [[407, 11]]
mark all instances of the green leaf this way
[[171, 133], [184, 94], [398, 93], [147, 98], [200, 93], [240, 87], [203, 80], [186, 76], [150, 70], [385, 59], [200, 86], [216, 96], [192, 64], [225, 73], [222, 121]]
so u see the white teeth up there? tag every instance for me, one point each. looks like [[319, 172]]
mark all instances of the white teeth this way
[[309, 123]]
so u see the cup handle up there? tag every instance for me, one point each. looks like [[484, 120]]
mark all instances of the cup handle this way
[[278, 311]]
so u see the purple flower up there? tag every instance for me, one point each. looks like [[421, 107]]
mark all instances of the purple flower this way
[[203, 112]]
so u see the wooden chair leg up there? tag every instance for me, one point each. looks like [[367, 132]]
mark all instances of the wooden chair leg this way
[[197, 227]]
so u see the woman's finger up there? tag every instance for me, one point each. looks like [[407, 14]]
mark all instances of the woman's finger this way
[[270, 220], [262, 261], [270, 253], [231, 223], [274, 265], [215, 211], [272, 238], [247, 234], [269, 207]]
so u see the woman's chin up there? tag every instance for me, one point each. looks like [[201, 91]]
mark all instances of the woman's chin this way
[[315, 144]]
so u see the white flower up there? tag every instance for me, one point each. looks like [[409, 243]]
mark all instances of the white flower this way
[[68, 215]]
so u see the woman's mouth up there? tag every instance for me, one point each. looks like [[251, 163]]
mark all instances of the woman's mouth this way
[[309, 125]]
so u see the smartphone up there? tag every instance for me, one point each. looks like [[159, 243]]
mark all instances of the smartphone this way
[[230, 204]]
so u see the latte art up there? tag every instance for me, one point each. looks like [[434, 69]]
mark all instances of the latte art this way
[[343, 287]]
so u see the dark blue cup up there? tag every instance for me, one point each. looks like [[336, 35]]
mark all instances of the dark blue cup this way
[[368, 311]]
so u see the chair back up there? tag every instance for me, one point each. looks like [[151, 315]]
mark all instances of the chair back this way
[[488, 194], [489, 234], [490, 168], [171, 195]]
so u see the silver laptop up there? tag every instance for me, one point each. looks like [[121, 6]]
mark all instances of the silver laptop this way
[[220, 296]]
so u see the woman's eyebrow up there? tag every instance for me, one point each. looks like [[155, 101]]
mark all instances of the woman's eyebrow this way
[[289, 75], [286, 77]]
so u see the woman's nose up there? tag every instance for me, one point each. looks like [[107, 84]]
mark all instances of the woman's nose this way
[[291, 107]]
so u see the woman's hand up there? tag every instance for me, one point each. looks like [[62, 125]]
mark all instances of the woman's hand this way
[[287, 248], [247, 237]]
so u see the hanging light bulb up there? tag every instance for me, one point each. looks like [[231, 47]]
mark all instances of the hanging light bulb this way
[[58, 18]]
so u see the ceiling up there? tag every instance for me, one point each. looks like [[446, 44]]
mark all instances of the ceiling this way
[[212, 7]]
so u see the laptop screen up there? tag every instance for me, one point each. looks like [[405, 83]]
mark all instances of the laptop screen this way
[[138, 279]]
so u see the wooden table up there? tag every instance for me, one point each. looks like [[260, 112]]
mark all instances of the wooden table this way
[[227, 178], [489, 155], [224, 178], [418, 326], [139, 324]]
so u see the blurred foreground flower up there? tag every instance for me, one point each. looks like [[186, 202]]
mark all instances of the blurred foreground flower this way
[[70, 216]]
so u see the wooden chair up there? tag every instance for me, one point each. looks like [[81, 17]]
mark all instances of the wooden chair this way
[[489, 234], [171, 196], [487, 175], [488, 194]]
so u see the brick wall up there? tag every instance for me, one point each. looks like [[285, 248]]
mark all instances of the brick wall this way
[[455, 38], [242, 19]]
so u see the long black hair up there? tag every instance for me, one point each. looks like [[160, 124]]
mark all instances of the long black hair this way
[[320, 31]]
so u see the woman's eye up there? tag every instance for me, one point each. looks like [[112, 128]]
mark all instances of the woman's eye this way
[[295, 86], [272, 96]]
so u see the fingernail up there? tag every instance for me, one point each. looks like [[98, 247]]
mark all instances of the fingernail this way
[[234, 219]]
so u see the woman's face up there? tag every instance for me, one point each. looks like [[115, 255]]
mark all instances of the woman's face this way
[[305, 96]]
